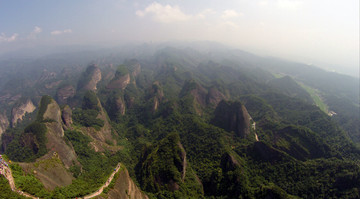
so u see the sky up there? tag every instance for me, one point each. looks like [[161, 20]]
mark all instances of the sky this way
[[317, 32]]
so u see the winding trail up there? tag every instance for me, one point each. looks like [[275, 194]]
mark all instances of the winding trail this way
[[6, 171], [105, 185]]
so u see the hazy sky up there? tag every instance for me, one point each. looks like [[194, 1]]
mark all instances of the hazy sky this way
[[320, 32]]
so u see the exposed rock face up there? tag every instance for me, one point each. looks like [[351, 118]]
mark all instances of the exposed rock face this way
[[4, 123], [156, 93], [56, 143], [52, 84], [164, 166], [182, 155], [90, 78], [228, 162], [202, 96], [19, 111], [51, 172], [119, 82], [120, 106], [136, 69], [199, 94], [55, 134], [66, 117], [263, 152], [101, 136], [232, 116], [53, 112], [125, 188], [64, 93], [46, 75], [215, 96]]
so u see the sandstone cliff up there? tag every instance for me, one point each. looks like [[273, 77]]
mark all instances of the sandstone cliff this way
[[232, 116], [4, 123], [90, 78], [125, 188], [64, 93], [20, 109]]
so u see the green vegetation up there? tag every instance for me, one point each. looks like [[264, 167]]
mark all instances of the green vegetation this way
[[121, 71], [44, 102], [6, 191], [28, 145], [28, 183], [317, 99], [87, 116]]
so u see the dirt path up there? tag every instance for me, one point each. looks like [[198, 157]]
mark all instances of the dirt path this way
[[105, 185], [6, 171]]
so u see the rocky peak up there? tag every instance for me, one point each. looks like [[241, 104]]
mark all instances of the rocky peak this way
[[64, 93], [49, 111], [90, 78], [125, 188], [228, 162], [215, 96], [121, 79], [66, 117], [196, 90], [20, 109], [156, 94], [134, 67], [4, 123], [46, 75], [232, 116]]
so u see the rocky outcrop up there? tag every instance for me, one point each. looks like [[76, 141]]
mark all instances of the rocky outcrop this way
[[214, 96], [52, 84], [120, 105], [66, 117], [50, 171], [64, 93], [195, 92], [53, 114], [46, 75], [4, 123], [164, 167], [19, 110], [50, 115], [232, 116], [136, 69], [90, 78], [229, 163], [125, 188], [155, 95], [119, 82], [202, 97]]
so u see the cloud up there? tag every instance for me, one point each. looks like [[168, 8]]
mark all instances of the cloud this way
[[227, 14], [4, 38], [164, 14], [59, 32], [203, 14], [289, 4], [263, 3], [37, 30], [231, 24]]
